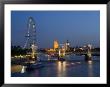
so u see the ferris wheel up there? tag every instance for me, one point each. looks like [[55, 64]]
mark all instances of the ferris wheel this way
[[30, 34]]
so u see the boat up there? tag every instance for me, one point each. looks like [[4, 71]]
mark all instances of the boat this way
[[33, 62]]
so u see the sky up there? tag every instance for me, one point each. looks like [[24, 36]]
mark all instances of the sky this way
[[78, 27]]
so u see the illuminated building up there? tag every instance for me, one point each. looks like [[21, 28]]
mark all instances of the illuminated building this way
[[67, 45], [56, 45]]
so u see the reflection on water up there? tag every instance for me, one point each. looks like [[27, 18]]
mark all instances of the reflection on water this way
[[23, 70], [61, 68], [90, 70], [74, 66]]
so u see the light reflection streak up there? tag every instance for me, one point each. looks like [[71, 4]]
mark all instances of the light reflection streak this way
[[61, 68], [90, 68]]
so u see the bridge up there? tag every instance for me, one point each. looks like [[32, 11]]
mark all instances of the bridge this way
[[31, 44]]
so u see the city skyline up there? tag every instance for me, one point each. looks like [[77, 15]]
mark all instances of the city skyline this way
[[79, 27]]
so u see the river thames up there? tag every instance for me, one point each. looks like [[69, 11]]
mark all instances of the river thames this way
[[74, 66]]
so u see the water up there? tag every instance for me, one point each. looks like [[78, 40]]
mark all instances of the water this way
[[74, 66]]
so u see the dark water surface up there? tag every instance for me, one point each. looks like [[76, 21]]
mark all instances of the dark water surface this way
[[74, 66]]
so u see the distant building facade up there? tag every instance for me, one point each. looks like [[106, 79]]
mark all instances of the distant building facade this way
[[55, 45], [67, 45]]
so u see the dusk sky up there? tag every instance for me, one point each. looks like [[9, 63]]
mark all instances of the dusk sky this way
[[79, 27]]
